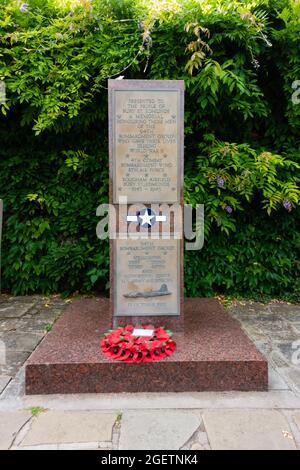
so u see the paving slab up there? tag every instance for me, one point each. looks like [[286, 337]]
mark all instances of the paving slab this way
[[248, 309], [285, 310], [200, 446], [16, 310], [8, 324], [4, 380], [297, 420], [199, 442], [276, 382], [21, 341], [16, 387], [264, 346], [254, 332], [275, 327], [22, 298], [2, 352], [73, 446], [282, 335], [14, 360], [278, 360], [293, 377], [289, 351], [10, 423], [33, 324], [23, 325], [290, 416], [187, 400], [248, 430], [157, 429], [296, 327], [44, 315], [62, 427]]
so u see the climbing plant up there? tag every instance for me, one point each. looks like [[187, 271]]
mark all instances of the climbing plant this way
[[241, 67]]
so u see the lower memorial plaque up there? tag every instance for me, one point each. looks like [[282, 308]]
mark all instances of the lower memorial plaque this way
[[147, 277]]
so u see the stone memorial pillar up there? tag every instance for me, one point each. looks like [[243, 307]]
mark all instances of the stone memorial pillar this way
[[146, 193]]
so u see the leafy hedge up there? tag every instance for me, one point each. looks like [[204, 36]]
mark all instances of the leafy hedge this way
[[240, 62]]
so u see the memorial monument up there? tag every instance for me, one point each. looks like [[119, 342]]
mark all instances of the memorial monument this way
[[146, 157], [146, 169]]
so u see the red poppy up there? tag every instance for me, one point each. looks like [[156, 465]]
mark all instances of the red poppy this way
[[171, 348], [161, 334], [128, 337], [129, 328], [156, 343]]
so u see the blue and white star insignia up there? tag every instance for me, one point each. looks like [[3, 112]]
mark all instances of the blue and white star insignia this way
[[146, 217]]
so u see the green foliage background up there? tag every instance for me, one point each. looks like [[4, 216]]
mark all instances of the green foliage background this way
[[240, 62]]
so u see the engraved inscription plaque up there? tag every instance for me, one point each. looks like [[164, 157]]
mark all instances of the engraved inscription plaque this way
[[146, 141], [147, 277]]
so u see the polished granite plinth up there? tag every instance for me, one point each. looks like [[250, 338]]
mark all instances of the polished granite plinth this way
[[213, 354]]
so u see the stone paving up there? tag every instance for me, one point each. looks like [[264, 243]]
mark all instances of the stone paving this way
[[23, 323], [157, 421]]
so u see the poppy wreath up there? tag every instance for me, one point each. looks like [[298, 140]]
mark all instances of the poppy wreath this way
[[120, 344]]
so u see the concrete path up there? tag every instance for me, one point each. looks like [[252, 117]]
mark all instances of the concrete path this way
[[157, 421]]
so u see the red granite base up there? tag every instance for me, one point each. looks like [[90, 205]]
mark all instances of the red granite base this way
[[212, 354]]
